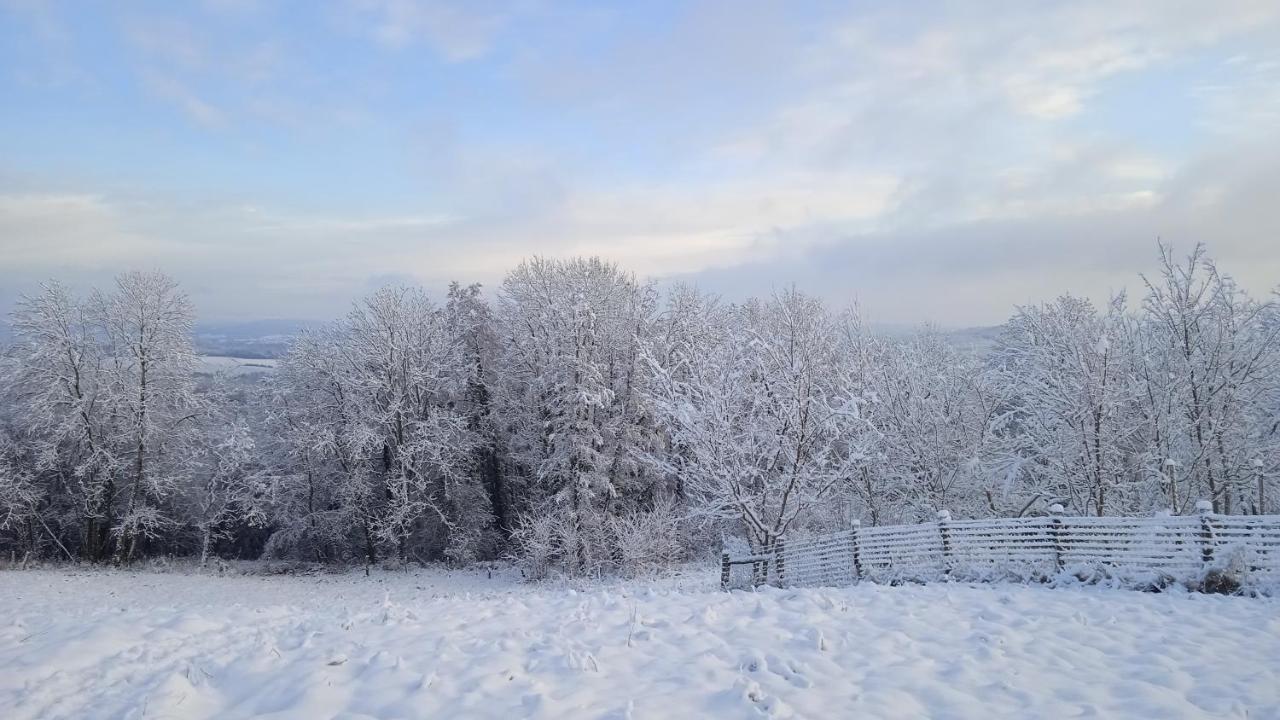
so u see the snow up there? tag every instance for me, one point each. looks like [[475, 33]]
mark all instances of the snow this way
[[434, 644], [210, 364]]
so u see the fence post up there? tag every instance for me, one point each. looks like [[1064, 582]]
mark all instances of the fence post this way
[[944, 517], [1055, 532], [1204, 509], [855, 541], [724, 571], [780, 560]]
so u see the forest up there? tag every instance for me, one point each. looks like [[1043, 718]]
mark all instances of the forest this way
[[584, 422]]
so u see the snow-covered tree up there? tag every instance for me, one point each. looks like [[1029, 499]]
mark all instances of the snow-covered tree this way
[[147, 387], [1214, 360], [56, 380], [767, 424], [569, 421], [571, 404], [19, 500], [373, 403], [470, 323], [107, 388], [409, 373], [313, 469], [934, 412], [692, 324], [227, 488], [1070, 426]]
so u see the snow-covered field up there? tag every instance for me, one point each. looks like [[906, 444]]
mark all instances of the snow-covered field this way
[[81, 644], [234, 366]]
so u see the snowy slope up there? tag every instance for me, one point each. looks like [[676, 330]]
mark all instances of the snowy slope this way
[[437, 645]]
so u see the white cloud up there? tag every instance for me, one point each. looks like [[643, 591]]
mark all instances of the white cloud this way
[[457, 31], [1050, 103], [746, 139], [182, 96], [40, 231], [1245, 102]]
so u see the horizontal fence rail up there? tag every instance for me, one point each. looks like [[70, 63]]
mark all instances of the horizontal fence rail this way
[[1152, 550]]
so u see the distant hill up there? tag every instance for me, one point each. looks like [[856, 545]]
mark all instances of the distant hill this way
[[977, 339], [237, 367], [255, 339], [263, 339], [269, 339]]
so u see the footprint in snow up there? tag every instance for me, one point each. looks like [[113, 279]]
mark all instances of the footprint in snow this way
[[762, 703], [789, 670]]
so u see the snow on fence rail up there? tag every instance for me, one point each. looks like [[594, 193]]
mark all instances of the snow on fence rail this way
[[1129, 549]]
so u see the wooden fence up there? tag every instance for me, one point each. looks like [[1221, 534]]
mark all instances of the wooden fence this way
[[1128, 550]]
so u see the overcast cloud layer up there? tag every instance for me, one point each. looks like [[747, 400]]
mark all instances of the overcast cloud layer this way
[[931, 161]]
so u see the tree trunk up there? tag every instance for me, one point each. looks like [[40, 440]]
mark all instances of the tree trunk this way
[[580, 547], [497, 492], [204, 546], [139, 466], [370, 553]]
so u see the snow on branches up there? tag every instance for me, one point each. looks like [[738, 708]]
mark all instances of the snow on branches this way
[[586, 422]]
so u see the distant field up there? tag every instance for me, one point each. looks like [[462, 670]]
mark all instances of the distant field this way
[[210, 364]]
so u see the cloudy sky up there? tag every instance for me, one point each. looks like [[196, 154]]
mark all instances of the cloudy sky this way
[[931, 161]]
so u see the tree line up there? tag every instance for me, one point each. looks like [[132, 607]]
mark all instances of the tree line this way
[[586, 422]]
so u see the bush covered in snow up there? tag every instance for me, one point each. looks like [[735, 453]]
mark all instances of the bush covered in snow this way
[[635, 543]]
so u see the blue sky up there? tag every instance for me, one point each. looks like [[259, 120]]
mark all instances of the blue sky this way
[[930, 161]]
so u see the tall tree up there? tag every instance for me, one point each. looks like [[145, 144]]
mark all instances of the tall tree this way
[[1219, 355], [768, 425], [147, 385], [471, 324], [107, 386], [228, 488], [1071, 432], [934, 414], [570, 333], [378, 397]]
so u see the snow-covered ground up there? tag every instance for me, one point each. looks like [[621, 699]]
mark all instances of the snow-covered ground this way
[[81, 644]]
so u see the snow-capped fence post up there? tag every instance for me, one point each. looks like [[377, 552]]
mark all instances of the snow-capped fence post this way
[[1204, 509], [724, 571], [944, 517], [856, 549], [1055, 532]]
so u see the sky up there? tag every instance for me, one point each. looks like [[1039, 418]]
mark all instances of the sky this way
[[929, 161]]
